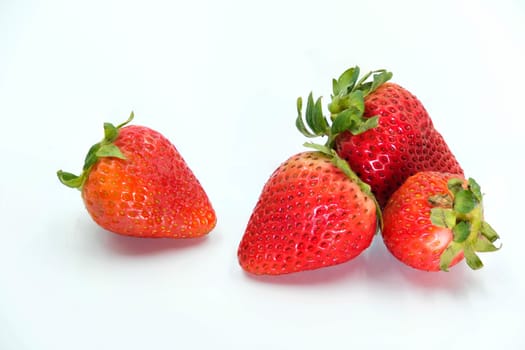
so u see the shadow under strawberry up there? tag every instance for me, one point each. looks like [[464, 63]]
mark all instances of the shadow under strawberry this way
[[377, 267], [134, 246]]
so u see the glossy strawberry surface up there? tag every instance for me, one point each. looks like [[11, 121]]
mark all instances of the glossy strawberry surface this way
[[403, 143], [150, 193], [309, 215], [408, 231]]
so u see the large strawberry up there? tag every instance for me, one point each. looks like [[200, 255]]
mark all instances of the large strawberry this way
[[400, 141], [434, 220], [313, 212], [135, 182]]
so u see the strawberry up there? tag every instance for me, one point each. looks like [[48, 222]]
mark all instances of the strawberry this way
[[434, 220], [313, 212], [135, 182], [383, 132]]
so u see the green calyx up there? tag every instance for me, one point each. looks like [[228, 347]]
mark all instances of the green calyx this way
[[461, 211], [346, 114], [346, 108], [104, 148]]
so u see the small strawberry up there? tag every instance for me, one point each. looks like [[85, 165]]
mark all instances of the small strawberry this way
[[383, 132], [135, 182], [313, 212], [434, 220]]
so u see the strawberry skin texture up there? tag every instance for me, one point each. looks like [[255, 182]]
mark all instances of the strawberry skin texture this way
[[408, 232], [309, 215], [404, 142], [151, 193]]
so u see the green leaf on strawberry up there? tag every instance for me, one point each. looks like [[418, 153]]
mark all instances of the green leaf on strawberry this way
[[450, 253], [109, 150], [436, 219], [443, 217], [475, 188], [461, 231], [473, 261], [346, 81], [488, 232], [465, 201], [483, 244], [69, 179], [379, 79], [455, 185], [346, 109], [314, 116], [104, 148], [470, 230], [299, 123]]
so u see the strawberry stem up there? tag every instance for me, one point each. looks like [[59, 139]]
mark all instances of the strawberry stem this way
[[104, 148]]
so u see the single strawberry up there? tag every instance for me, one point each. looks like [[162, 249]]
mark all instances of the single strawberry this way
[[135, 182], [399, 138], [434, 220], [313, 212]]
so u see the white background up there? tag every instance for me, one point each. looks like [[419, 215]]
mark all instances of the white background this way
[[220, 80]]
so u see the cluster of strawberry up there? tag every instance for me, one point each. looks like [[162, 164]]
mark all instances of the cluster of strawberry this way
[[383, 164], [383, 167]]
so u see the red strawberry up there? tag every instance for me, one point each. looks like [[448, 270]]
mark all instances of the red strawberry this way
[[383, 132], [434, 220], [310, 214], [135, 182]]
